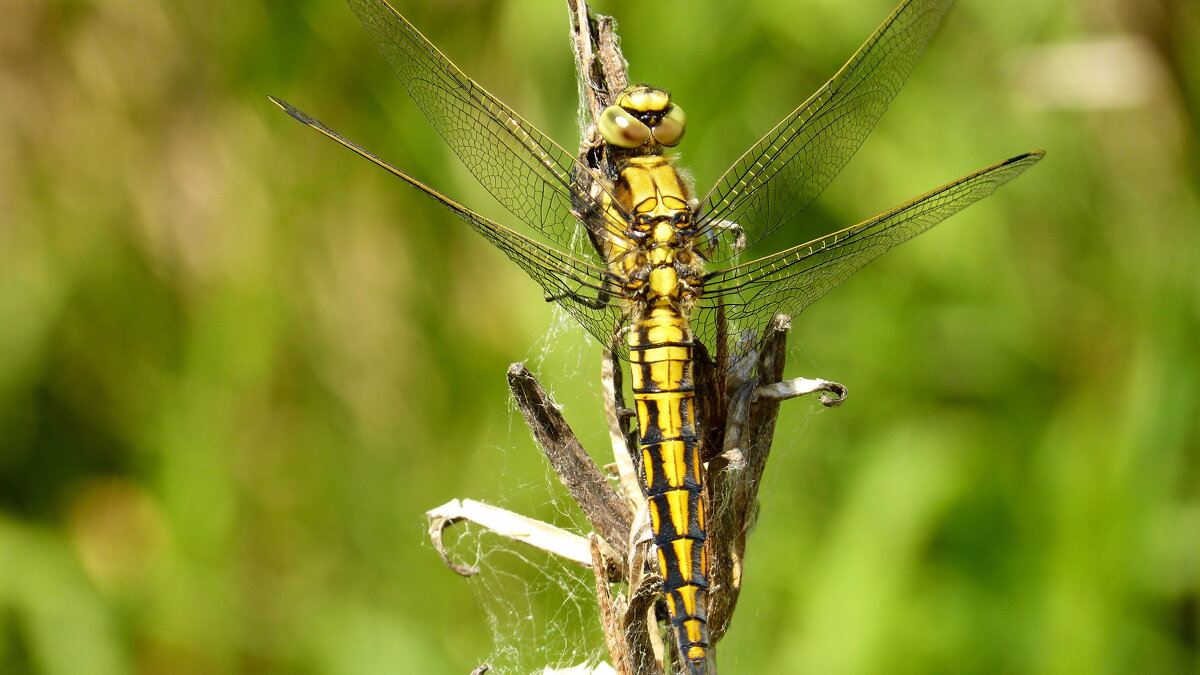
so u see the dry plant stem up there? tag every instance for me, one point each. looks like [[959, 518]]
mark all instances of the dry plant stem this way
[[606, 510], [639, 629], [601, 67], [643, 647], [610, 615], [617, 416], [585, 59], [735, 476]]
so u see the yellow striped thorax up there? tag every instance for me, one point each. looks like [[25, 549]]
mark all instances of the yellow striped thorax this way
[[652, 252]]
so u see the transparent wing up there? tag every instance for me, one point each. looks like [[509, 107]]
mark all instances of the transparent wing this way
[[586, 292], [785, 171], [527, 172], [749, 295]]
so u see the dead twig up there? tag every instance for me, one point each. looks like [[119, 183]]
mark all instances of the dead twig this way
[[605, 509]]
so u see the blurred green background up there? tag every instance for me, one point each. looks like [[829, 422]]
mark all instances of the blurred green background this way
[[237, 363]]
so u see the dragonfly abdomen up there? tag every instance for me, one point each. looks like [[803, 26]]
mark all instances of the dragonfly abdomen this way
[[660, 352]]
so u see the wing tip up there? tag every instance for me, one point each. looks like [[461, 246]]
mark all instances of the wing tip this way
[[296, 113], [1032, 156], [1019, 163]]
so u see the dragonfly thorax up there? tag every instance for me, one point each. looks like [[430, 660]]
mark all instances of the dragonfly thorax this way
[[654, 221]]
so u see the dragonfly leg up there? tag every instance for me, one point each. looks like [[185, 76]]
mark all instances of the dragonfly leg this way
[[590, 303]]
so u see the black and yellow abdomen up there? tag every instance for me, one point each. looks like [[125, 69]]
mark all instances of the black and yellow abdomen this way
[[660, 354]]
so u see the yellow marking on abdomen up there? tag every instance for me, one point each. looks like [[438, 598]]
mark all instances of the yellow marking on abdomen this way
[[683, 551]]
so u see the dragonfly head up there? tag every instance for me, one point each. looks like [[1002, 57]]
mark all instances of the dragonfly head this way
[[642, 116]]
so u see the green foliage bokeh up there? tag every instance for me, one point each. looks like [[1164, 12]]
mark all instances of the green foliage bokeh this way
[[237, 363]]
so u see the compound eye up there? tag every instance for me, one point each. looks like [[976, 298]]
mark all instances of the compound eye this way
[[670, 130], [621, 129]]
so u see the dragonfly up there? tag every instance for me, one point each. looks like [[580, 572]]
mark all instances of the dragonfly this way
[[647, 265]]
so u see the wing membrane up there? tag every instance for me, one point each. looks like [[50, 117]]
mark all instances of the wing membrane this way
[[584, 291], [785, 171], [748, 295], [532, 176]]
